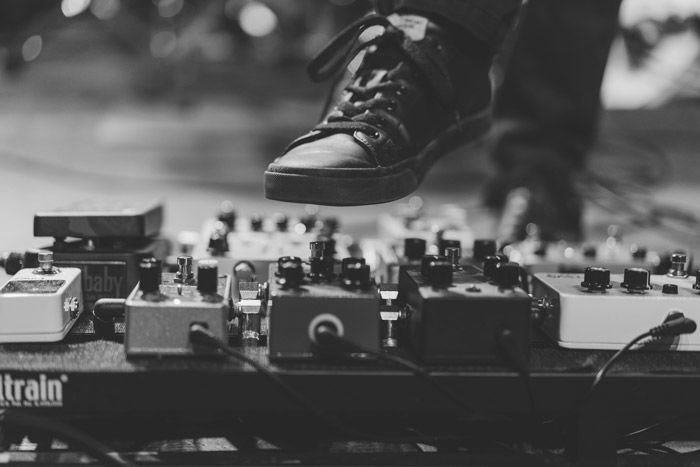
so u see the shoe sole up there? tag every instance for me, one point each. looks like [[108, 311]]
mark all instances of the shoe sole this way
[[356, 187]]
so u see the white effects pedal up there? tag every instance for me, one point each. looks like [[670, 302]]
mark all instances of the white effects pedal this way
[[597, 310], [40, 305]]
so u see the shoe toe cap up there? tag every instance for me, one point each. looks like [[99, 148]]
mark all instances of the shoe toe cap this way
[[337, 151]]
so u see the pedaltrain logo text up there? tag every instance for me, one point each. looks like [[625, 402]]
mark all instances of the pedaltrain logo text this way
[[40, 391]]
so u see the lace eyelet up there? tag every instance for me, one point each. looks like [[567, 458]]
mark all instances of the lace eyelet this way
[[391, 106], [374, 135], [401, 91]]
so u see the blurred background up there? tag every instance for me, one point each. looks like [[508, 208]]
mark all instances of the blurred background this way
[[188, 101]]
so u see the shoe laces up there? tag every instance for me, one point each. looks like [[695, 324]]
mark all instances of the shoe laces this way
[[374, 91]]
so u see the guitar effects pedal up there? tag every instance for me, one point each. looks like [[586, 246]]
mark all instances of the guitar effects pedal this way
[[160, 311], [106, 241], [600, 310], [459, 313], [40, 304], [304, 298]]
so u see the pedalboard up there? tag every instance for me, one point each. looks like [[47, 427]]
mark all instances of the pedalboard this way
[[305, 296], [463, 313], [40, 304], [161, 310], [600, 310]]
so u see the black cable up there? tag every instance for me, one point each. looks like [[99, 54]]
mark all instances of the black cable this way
[[673, 327], [328, 337], [66, 433], [650, 429], [199, 335]]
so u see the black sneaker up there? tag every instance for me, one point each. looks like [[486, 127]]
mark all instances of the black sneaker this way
[[416, 95]]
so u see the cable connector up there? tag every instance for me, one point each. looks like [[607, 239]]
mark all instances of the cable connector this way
[[200, 335], [674, 327]]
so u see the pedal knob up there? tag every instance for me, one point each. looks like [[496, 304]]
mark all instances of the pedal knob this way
[[45, 261], [636, 280], [678, 262], [328, 246], [426, 260], [227, 215], [256, 223], [350, 262], [322, 248], [638, 252], [541, 249], [439, 272], [414, 248], [696, 286], [444, 244], [207, 276], [590, 251], [317, 249], [30, 259], [309, 221], [490, 264], [320, 268], [285, 259], [13, 262], [454, 254], [596, 279], [290, 272], [281, 222], [218, 242], [356, 275], [149, 275], [330, 225], [507, 275], [671, 289], [244, 271], [483, 248]]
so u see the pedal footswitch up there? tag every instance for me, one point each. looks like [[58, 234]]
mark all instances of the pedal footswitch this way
[[40, 304]]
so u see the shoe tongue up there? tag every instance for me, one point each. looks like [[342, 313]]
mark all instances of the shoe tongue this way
[[414, 26], [376, 65]]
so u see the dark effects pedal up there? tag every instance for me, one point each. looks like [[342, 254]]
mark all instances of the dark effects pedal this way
[[464, 313], [343, 298], [106, 241]]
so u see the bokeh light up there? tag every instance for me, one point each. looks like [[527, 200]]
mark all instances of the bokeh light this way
[[74, 7], [257, 19], [32, 48], [163, 43]]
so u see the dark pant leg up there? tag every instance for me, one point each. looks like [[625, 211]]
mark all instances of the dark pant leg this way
[[548, 104]]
